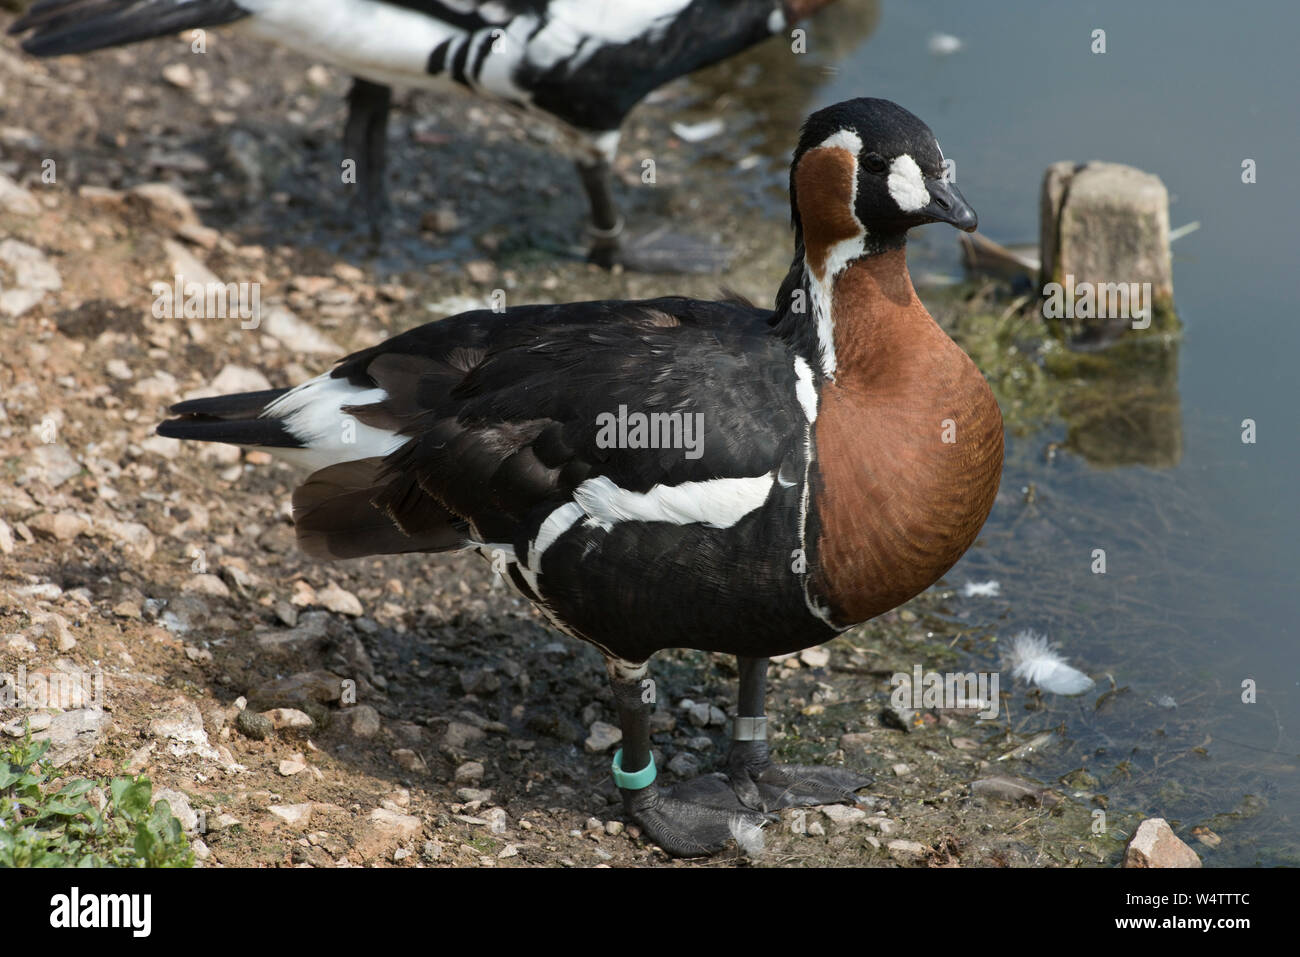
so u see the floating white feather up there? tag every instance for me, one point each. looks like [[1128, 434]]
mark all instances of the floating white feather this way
[[1033, 659], [988, 589]]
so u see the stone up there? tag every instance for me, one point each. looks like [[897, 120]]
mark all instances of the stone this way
[[166, 205], [1106, 223], [602, 736], [815, 657], [684, 765], [843, 814], [294, 334], [61, 526], [289, 719], [234, 378], [73, 735], [180, 805], [386, 827], [699, 715], [132, 535], [1154, 844], [409, 760], [254, 725], [181, 721], [363, 721], [339, 601], [209, 585], [297, 690], [52, 464], [295, 815], [906, 852], [470, 773], [32, 270], [459, 734], [15, 199], [294, 764]]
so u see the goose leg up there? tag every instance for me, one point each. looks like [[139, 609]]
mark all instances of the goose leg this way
[[365, 142], [659, 250], [765, 786], [701, 825]]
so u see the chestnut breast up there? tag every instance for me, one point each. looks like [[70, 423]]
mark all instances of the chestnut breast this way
[[908, 444]]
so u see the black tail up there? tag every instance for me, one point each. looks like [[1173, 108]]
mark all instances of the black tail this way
[[78, 26], [234, 419]]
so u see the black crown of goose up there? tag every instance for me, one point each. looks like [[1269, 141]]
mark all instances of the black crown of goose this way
[[632, 549]]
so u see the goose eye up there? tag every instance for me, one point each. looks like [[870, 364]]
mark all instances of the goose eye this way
[[875, 163]]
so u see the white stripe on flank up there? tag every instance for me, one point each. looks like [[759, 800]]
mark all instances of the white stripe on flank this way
[[718, 503], [804, 388], [313, 414]]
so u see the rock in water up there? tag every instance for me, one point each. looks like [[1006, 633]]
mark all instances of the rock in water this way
[[1106, 225], [1155, 844]]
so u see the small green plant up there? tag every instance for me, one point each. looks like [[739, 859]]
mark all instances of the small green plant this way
[[41, 827]]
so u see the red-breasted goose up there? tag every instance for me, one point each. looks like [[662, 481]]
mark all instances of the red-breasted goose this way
[[582, 63], [834, 457]]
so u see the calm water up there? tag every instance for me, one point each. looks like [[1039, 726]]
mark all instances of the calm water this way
[[1200, 530]]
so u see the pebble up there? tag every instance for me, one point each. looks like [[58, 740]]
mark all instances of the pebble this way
[[178, 75], [363, 721], [409, 760], [699, 715], [295, 815], [684, 765], [843, 814], [470, 795], [294, 334], [815, 657], [496, 820], [209, 585], [1154, 844], [62, 526], [16, 199], [168, 207], [480, 271], [52, 464], [602, 736], [459, 734], [294, 764], [288, 719], [339, 601], [390, 824], [471, 772], [254, 725], [906, 852], [180, 805]]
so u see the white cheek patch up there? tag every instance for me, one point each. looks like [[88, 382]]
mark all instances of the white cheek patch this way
[[907, 185]]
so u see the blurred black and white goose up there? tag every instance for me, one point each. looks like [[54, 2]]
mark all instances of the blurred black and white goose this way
[[582, 63], [676, 473]]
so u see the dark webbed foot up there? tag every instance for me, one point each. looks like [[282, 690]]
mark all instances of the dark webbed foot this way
[[764, 786], [685, 828]]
